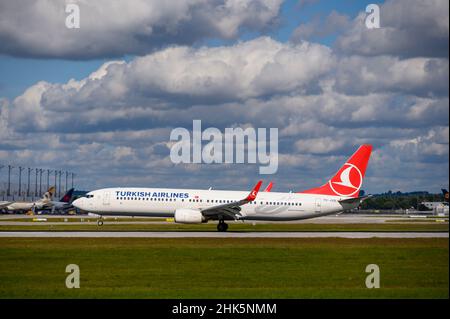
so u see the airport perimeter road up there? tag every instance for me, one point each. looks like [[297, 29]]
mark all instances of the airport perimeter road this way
[[76, 234]]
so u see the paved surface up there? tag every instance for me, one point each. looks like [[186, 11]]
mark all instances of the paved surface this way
[[227, 234], [333, 219]]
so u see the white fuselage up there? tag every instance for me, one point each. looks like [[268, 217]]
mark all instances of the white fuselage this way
[[163, 202], [24, 206], [20, 206]]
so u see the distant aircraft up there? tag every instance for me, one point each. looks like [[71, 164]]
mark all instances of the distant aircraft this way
[[445, 192], [3, 205], [63, 204], [436, 206], [27, 206], [192, 206]]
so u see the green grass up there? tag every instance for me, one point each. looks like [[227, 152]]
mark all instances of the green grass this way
[[223, 268], [111, 226]]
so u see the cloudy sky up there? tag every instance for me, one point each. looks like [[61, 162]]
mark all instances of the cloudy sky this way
[[102, 100]]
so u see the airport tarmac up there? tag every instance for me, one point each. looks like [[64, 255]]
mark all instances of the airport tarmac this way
[[332, 219], [179, 234]]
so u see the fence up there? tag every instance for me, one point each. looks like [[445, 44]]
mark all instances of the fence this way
[[34, 182]]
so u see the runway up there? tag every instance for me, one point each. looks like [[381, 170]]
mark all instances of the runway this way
[[5, 220], [179, 234]]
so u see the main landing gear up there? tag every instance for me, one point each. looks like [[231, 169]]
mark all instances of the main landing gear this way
[[222, 226], [100, 222]]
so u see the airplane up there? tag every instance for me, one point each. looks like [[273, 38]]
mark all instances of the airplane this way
[[62, 204], [190, 206], [3, 205], [433, 206], [445, 192], [26, 206]]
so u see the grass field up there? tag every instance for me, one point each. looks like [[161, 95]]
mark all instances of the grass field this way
[[224, 268], [236, 227]]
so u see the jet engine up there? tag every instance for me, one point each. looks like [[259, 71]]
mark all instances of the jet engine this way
[[189, 216]]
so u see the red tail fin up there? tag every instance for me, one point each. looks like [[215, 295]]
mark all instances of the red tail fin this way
[[348, 180]]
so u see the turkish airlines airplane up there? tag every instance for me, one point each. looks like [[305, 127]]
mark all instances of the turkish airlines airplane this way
[[191, 206]]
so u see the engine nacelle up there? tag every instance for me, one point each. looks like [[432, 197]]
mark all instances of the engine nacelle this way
[[188, 216]]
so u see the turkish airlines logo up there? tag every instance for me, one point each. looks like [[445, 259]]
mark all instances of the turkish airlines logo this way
[[348, 182]]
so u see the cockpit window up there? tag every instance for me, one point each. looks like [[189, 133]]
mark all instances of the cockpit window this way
[[89, 196]]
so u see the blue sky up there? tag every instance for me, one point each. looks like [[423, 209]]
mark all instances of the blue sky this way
[[309, 68]]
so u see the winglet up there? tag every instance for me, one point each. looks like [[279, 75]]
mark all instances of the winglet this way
[[252, 196], [269, 187]]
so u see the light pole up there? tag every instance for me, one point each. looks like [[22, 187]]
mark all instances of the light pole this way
[[48, 177], [73, 176], [36, 170], [40, 180], [67, 176], [1, 166], [20, 180], [28, 187], [59, 178], [8, 192], [56, 185]]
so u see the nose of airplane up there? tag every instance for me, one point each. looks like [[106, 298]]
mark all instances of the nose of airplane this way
[[80, 203]]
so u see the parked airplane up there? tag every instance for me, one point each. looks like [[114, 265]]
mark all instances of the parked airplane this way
[[191, 206], [3, 205], [63, 204], [445, 192], [26, 206]]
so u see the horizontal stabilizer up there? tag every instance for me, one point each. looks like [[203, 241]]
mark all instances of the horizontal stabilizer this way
[[355, 200]]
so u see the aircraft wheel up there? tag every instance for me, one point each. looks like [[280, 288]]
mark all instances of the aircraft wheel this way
[[222, 227], [99, 222]]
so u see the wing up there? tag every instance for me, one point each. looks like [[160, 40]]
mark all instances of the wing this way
[[5, 204], [231, 210]]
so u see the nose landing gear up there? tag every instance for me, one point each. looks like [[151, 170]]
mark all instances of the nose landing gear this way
[[222, 226], [100, 222]]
